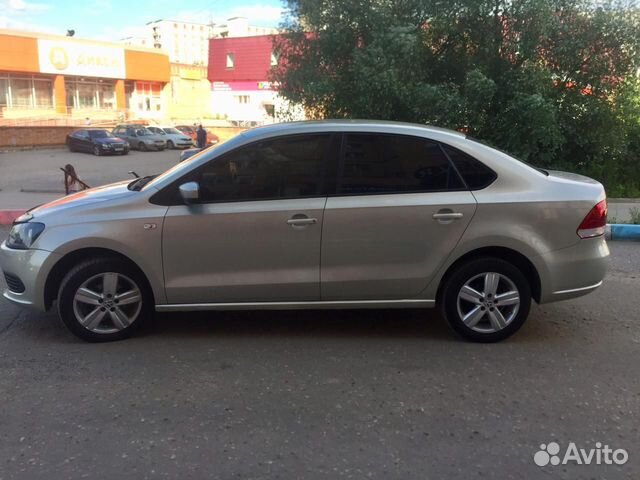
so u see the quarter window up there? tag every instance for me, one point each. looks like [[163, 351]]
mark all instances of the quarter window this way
[[475, 174], [375, 164], [287, 167]]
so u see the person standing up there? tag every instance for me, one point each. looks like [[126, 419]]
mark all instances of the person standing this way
[[201, 137]]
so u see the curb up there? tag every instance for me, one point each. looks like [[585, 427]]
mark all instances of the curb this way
[[621, 231]]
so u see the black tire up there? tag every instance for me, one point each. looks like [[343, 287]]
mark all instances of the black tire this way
[[142, 147], [475, 268], [96, 151], [170, 145], [84, 272]]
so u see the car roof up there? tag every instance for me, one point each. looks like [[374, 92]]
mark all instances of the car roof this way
[[378, 126]]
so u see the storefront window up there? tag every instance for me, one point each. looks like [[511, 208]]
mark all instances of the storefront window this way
[[21, 92], [148, 96], [90, 94], [4, 92], [107, 96], [42, 92]]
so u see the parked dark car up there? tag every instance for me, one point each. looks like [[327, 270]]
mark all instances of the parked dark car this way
[[97, 141], [212, 138]]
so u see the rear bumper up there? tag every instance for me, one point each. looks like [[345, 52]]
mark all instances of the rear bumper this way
[[574, 271], [31, 267]]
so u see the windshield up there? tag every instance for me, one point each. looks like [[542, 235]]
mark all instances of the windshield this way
[[99, 134], [172, 131]]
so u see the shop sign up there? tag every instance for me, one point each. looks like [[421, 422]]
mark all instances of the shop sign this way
[[81, 59]]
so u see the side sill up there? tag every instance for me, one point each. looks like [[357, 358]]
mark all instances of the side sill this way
[[341, 304]]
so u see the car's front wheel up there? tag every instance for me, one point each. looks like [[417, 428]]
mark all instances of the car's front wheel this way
[[104, 299], [486, 299], [170, 145], [96, 150]]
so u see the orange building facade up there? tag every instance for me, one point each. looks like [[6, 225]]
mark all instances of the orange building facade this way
[[56, 77]]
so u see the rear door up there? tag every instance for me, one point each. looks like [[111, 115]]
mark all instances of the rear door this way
[[399, 209]]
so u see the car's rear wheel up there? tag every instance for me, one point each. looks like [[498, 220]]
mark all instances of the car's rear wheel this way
[[96, 150], [170, 145], [486, 299], [104, 299], [142, 147]]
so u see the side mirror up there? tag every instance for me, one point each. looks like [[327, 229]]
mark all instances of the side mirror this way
[[190, 192]]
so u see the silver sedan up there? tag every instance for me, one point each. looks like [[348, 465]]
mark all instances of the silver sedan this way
[[317, 215]]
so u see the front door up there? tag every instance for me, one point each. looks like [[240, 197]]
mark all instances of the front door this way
[[255, 234], [399, 210]]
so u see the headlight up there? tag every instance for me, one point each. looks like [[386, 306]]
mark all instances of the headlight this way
[[23, 235], [106, 145], [126, 144]]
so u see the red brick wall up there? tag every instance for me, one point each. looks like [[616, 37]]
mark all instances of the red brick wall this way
[[19, 137]]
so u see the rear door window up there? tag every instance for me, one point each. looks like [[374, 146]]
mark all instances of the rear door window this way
[[381, 163]]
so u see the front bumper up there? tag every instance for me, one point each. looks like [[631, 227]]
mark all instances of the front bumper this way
[[573, 271], [32, 268]]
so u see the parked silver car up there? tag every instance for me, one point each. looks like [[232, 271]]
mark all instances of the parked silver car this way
[[332, 214], [140, 137], [174, 138]]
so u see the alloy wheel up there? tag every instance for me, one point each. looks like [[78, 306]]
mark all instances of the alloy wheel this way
[[107, 303], [488, 302]]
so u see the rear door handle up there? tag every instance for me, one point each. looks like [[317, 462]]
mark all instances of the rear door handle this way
[[447, 216], [302, 221]]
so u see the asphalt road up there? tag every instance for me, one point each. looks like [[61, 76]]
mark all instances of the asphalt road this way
[[361, 394]]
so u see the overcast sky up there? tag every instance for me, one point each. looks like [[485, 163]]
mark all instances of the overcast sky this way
[[115, 19]]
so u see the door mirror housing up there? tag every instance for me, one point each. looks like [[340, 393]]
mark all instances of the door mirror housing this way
[[190, 192]]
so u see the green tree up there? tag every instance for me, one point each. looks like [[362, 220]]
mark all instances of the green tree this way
[[551, 81]]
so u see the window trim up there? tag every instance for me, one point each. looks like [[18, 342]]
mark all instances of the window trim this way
[[341, 162], [169, 196]]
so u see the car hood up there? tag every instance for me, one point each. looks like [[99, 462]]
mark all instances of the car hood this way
[[83, 199]]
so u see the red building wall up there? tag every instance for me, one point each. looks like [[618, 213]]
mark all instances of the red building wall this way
[[252, 58]]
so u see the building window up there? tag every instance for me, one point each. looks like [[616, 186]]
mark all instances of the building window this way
[[4, 92], [243, 99], [90, 94], [230, 60], [26, 92]]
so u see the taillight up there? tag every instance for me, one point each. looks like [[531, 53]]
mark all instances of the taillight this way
[[595, 222]]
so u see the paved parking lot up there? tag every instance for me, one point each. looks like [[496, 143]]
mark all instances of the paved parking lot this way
[[32, 177], [324, 394]]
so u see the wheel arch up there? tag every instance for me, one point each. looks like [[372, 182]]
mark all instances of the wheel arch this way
[[514, 257], [69, 260]]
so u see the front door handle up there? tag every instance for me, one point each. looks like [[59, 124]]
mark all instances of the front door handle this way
[[300, 220], [447, 215]]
